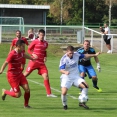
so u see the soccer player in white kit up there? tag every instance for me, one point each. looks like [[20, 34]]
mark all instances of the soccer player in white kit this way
[[70, 75]]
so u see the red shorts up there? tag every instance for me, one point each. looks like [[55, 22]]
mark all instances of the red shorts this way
[[23, 60], [32, 65], [16, 81]]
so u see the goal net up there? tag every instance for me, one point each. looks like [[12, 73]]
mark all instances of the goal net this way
[[8, 26], [11, 21], [17, 23]]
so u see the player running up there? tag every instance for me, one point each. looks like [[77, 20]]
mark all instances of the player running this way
[[85, 64], [70, 75], [15, 76], [38, 48], [13, 45]]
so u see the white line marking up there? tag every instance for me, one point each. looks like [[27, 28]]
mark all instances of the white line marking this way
[[73, 97], [51, 88]]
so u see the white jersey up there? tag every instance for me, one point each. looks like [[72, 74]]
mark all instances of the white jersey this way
[[108, 30], [71, 65]]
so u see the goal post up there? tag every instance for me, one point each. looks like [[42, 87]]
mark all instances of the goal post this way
[[13, 21]]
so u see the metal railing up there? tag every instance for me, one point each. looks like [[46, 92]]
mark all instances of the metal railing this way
[[102, 40]]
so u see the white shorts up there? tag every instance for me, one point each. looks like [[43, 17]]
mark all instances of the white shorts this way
[[67, 82]]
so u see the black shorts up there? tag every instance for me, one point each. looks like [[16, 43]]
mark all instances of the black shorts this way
[[107, 41]]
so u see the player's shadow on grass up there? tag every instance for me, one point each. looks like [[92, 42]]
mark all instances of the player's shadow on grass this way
[[102, 109], [104, 92], [112, 91]]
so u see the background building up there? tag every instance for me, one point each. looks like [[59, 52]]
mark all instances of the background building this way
[[32, 14]]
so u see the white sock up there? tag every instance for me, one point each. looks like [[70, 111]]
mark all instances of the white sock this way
[[64, 99], [84, 91]]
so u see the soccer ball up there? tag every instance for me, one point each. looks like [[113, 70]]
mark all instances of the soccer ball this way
[[31, 36], [83, 98]]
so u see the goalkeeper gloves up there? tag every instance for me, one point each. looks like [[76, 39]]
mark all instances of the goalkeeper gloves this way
[[98, 67]]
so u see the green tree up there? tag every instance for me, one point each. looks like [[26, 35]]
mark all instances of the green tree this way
[[114, 14], [71, 11], [4, 1], [110, 3], [55, 11], [94, 11]]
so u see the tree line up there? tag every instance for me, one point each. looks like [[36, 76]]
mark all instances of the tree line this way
[[70, 12]]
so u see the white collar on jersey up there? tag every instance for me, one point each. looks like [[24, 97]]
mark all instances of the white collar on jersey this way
[[16, 50]]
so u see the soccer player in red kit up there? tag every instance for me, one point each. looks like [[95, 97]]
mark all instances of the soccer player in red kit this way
[[13, 44], [38, 48], [15, 76]]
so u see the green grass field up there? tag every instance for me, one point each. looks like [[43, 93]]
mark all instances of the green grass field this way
[[101, 104]]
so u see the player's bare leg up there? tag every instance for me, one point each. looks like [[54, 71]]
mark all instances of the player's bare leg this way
[[109, 48], [26, 73], [64, 97], [47, 85], [26, 95]]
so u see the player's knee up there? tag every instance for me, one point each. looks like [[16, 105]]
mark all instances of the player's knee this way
[[45, 76], [27, 90], [94, 78], [85, 85], [18, 95]]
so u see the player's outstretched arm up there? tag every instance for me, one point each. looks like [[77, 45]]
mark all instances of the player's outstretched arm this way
[[91, 55], [3, 67], [31, 58]]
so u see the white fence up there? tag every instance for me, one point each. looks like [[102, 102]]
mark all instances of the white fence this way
[[55, 34], [61, 34]]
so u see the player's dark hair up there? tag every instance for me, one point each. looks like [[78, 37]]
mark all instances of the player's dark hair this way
[[87, 41], [19, 43], [42, 31], [18, 31], [70, 48]]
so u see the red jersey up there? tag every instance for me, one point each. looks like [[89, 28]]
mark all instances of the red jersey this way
[[39, 48], [16, 39], [14, 60]]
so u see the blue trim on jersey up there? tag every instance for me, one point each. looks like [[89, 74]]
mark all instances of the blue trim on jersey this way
[[62, 67], [81, 50], [91, 49], [81, 56]]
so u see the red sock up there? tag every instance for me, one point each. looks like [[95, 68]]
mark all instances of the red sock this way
[[47, 86], [26, 98], [10, 93]]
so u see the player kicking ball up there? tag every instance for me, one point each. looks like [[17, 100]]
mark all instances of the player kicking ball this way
[[70, 76], [15, 76]]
